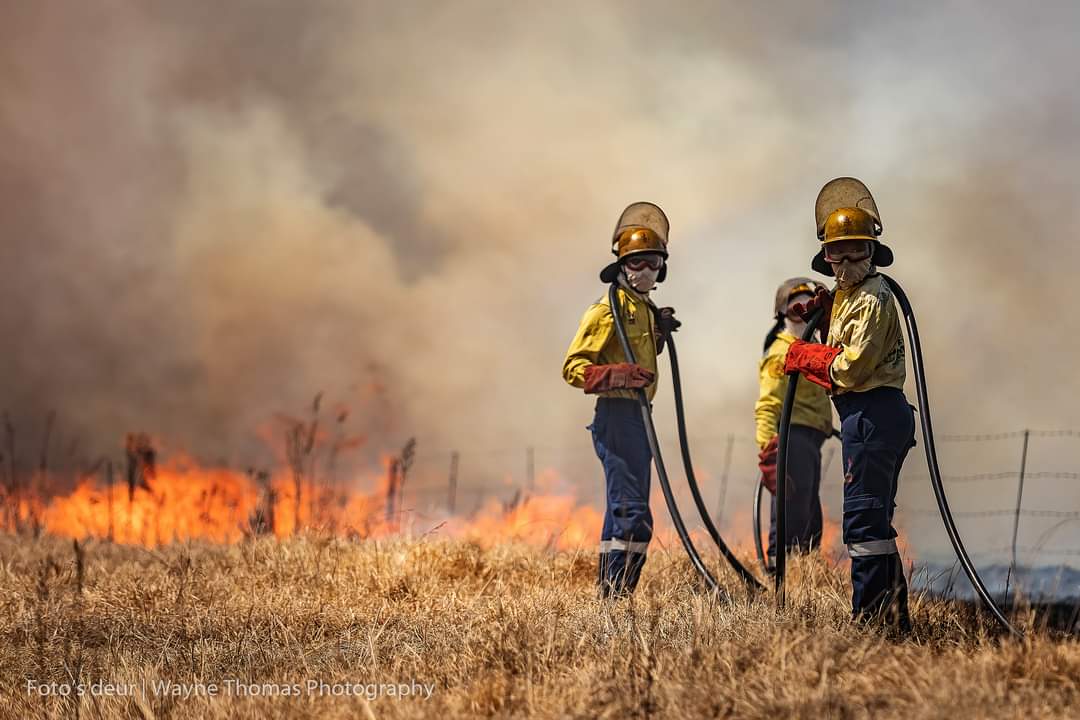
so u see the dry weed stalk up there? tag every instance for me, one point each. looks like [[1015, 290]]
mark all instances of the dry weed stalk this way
[[300, 453], [504, 631]]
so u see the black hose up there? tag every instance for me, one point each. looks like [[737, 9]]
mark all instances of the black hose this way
[[932, 461], [654, 445], [759, 547], [781, 465], [691, 479], [759, 492]]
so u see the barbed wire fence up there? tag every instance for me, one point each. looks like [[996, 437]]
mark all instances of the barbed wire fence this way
[[1021, 475], [725, 445], [460, 482]]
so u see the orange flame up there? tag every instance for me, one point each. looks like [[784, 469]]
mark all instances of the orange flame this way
[[187, 501], [552, 518], [184, 500]]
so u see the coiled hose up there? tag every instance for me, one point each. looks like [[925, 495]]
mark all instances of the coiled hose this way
[[661, 470], [691, 479], [759, 546], [781, 465], [918, 367]]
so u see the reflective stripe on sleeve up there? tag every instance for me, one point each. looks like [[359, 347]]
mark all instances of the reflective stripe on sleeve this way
[[624, 545], [872, 547]]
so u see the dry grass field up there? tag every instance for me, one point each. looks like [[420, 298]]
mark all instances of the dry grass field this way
[[328, 628]]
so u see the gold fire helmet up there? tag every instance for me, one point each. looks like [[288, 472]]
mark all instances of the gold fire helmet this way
[[845, 210], [642, 228], [789, 289], [849, 224]]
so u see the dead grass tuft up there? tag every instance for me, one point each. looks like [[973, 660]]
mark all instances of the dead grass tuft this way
[[505, 631]]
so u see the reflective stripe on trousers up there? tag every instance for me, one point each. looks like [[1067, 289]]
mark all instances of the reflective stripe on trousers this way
[[625, 545], [877, 430], [618, 433], [872, 547]]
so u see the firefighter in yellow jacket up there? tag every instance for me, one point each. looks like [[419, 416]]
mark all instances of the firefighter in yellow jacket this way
[[861, 364], [811, 424], [596, 364]]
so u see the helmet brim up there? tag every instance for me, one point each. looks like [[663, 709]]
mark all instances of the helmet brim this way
[[883, 256], [820, 265], [841, 238]]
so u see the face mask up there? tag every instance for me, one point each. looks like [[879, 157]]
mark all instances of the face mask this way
[[849, 274], [794, 327], [641, 280]]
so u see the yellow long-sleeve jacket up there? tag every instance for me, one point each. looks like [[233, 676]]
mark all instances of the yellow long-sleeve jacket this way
[[812, 406], [865, 325], [597, 343]]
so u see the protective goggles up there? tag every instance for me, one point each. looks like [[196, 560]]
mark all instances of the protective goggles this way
[[853, 250], [637, 263]]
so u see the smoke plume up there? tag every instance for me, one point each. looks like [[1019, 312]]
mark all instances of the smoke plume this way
[[211, 211]]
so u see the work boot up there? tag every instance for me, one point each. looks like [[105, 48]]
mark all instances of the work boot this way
[[619, 573], [889, 609]]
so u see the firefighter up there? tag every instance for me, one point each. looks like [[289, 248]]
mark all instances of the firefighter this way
[[811, 424], [596, 364], [861, 365]]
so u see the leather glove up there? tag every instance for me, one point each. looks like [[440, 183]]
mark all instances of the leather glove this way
[[620, 376], [665, 325], [767, 464], [822, 299], [812, 360], [665, 320]]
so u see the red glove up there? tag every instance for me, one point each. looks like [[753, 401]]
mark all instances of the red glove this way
[[767, 464], [812, 360], [822, 299], [620, 376]]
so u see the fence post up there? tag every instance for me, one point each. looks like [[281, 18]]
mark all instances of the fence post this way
[[451, 500], [724, 477], [1019, 499], [530, 469]]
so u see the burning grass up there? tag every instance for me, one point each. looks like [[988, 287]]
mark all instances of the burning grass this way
[[502, 630]]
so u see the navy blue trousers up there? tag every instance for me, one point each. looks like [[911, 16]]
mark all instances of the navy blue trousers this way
[[803, 498], [877, 430], [618, 433]]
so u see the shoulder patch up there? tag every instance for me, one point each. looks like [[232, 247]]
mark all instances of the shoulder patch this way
[[775, 367]]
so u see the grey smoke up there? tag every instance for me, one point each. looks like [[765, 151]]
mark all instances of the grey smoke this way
[[212, 211]]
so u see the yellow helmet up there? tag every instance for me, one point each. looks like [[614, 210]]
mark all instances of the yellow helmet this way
[[642, 228], [634, 240], [849, 224], [789, 289], [845, 210]]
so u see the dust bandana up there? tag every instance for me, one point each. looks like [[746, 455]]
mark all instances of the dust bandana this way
[[642, 280], [849, 274]]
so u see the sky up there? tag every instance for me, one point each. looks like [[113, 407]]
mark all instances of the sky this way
[[211, 212]]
